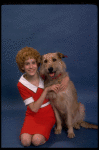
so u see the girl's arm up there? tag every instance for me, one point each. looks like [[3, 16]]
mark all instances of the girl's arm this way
[[64, 84], [34, 106]]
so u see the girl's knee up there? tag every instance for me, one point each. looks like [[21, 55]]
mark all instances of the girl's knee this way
[[26, 140], [38, 139]]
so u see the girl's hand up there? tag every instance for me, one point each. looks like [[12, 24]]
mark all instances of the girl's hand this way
[[64, 84], [59, 87], [54, 88]]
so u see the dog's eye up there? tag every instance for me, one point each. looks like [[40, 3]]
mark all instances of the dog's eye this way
[[54, 59], [45, 61]]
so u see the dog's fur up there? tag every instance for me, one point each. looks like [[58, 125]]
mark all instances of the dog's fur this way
[[64, 103]]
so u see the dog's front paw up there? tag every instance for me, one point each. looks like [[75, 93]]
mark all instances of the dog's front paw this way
[[71, 135], [58, 131]]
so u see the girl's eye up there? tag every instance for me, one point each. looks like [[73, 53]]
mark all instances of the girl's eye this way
[[33, 62], [26, 63]]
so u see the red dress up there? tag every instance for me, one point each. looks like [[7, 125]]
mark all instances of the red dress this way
[[42, 121]]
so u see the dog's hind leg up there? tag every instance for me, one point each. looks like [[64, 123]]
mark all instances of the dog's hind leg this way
[[77, 125], [79, 117]]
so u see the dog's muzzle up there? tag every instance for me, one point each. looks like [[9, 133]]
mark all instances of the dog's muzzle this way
[[50, 69], [51, 72]]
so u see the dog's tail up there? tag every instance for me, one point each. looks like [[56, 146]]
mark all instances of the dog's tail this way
[[88, 125]]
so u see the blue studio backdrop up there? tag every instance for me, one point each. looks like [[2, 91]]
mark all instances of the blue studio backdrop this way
[[69, 29]]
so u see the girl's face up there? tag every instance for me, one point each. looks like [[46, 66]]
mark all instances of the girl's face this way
[[30, 67]]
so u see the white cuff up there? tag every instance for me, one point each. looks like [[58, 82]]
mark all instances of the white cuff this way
[[45, 104], [28, 100]]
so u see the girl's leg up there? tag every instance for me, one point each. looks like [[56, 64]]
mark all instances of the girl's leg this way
[[26, 139], [38, 139]]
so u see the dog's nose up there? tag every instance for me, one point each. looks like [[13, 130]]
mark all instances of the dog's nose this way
[[50, 69]]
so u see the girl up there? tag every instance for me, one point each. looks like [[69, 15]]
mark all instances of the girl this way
[[39, 118]]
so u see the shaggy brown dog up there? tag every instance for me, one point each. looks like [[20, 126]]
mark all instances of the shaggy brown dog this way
[[64, 103]]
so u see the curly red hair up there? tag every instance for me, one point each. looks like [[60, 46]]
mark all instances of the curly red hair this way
[[26, 53]]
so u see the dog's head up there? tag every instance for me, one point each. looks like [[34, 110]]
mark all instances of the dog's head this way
[[52, 65]]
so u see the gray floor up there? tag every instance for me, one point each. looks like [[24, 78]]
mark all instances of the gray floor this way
[[12, 118]]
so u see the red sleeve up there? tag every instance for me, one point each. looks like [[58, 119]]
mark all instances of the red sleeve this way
[[25, 94]]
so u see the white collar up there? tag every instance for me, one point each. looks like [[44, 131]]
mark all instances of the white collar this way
[[31, 86]]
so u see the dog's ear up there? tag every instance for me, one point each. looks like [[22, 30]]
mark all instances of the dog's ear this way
[[60, 55]]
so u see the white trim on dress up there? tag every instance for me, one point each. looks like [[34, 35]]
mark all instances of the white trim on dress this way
[[32, 88], [30, 85], [45, 104], [28, 100]]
